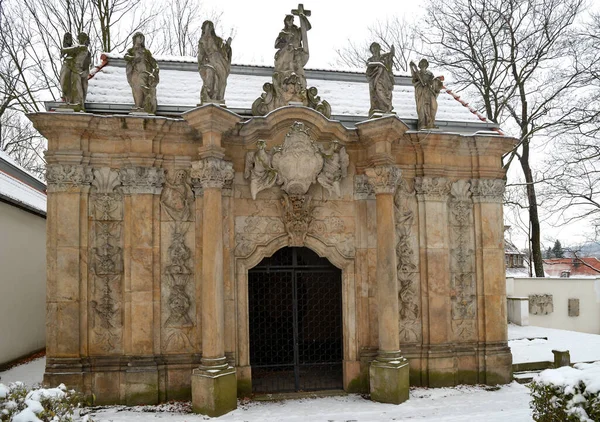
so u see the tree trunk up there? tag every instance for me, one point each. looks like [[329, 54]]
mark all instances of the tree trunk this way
[[534, 219]]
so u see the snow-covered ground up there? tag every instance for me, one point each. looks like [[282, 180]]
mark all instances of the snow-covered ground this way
[[528, 344], [462, 403]]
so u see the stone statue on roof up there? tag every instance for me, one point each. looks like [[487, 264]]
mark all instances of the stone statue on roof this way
[[427, 89], [381, 80], [214, 64], [75, 70], [289, 80], [142, 75]]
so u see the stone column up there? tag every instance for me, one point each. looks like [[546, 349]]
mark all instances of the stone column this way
[[389, 382], [214, 385]]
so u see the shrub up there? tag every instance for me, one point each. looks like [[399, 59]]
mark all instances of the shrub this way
[[567, 394], [20, 404]]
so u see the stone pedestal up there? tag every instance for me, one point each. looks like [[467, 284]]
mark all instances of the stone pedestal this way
[[389, 380], [214, 390]]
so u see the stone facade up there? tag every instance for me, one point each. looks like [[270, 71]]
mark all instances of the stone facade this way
[[152, 228]]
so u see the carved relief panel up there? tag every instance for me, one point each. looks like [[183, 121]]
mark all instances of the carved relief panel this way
[[178, 292], [462, 261], [106, 261], [407, 256]]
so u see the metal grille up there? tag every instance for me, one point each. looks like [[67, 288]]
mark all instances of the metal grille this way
[[295, 300]]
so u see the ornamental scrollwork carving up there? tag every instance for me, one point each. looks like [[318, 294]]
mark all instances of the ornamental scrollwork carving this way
[[106, 199], [462, 260], [384, 179], [432, 188], [409, 290], [142, 180], [362, 188], [297, 216], [66, 177], [212, 172], [488, 190]]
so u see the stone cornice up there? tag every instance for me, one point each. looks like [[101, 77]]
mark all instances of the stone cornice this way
[[384, 179], [211, 118]]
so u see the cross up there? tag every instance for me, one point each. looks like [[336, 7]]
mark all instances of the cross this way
[[300, 11]]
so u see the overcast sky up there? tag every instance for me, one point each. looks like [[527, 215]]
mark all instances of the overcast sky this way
[[257, 24]]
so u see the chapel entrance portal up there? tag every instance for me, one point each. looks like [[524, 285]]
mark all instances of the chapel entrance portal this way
[[295, 316]]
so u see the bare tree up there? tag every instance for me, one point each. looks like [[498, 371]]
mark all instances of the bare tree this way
[[393, 31], [515, 56]]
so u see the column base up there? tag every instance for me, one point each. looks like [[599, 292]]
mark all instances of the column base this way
[[389, 378], [214, 390]]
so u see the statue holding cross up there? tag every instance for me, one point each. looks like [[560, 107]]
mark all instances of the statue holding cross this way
[[292, 55], [289, 80]]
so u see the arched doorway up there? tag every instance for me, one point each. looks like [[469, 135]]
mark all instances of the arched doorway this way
[[295, 322]]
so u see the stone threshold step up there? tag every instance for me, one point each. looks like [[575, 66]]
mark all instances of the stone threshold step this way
[[298, 395]]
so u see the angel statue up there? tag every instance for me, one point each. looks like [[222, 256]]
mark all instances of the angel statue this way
[[335, 167], [258, 169]]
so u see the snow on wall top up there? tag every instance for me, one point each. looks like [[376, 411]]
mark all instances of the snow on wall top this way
[[18, 191], [181, 87]]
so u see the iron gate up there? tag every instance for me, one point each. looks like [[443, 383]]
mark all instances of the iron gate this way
[[295, 317]]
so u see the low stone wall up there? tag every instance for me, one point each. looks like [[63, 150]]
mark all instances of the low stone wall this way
[[562, 303]]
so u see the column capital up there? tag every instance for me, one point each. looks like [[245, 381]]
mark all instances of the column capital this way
[[384, 179], [488, 190], [142, 180], [212, 172], [68, 177], [432, 188]]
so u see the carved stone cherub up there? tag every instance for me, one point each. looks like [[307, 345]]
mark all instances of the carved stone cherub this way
[[427, 89], [335, 167], [142, 75], [258, 169]]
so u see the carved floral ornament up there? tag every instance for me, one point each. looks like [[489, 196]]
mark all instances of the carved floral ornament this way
[[297, 164], [142, 180], [384, 179], [62, 177], [212, 172]]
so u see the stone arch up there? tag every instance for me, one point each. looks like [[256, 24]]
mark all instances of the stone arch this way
[[346, 265]]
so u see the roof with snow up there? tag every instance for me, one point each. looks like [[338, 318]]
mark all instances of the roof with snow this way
[[347, 93], [577, 267], [20, 188]]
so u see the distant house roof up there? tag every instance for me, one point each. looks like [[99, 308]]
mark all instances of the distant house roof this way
[[20, 188], [347, 92], [576, 267]]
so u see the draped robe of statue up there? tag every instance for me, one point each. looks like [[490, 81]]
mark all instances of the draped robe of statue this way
[[427, 89], [75, 71], [142, 75], [214, 64], [381, 80]]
